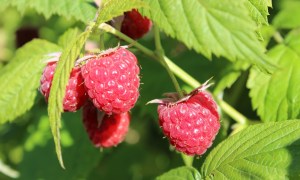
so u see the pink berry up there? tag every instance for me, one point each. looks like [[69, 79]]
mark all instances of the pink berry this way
[[75, 95], [135, 25], [112, 81], [105, 130], [191, 123]]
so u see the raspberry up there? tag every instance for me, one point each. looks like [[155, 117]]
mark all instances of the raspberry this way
[[112, 128], [192, 123], [75, 91], [135, 25], [112, 81]]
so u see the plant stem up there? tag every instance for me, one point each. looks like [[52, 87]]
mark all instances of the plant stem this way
[[277, 37], [101, 45], [160, 54], [182, 74], [188, 160], [142, 48], [233, 113]]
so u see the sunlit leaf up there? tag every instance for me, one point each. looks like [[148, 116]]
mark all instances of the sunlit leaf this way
[[223, 28], [276, 97], [264, 151], [20, 79]]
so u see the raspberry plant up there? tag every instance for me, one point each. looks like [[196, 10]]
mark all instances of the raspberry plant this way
[[248, 118]]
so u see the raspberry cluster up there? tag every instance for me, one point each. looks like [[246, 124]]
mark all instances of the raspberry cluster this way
[[107, 85]]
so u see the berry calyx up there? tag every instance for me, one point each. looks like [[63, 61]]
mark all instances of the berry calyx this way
[[105, 130], [75, 95], [112, 80], [190, 123], [135, 25]]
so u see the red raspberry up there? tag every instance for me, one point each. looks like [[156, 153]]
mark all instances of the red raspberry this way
[[192, 123], [112, 81], [75, 91], [112, 128], [135, 25]]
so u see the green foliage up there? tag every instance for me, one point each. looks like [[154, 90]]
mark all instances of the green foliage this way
[[185, 172], [220, 27], [259, 10], [289, 15], [114, 8], [276, 96], [77, 9], [264, 151], [234, 30], [79, 154], [67, 37], [10, 20], [229, 74], [59, 83], [20, 79]]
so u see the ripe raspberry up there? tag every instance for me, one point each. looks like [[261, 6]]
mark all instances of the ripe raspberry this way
[[112, 128], [192, 123], [112, 81], [75, 92], [135, 25]]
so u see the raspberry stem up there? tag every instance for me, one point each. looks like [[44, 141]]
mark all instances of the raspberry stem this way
[[188, 160], [277, 37], [101, 45], [108, 28], [160, 53], [233, 113]]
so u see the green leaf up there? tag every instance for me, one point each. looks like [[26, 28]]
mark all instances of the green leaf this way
[[269, 3], [181, 173], [114, 8], [38, 159], [20, 79], [65, 39], [276, 97], [289, 15], [59, 83], [223, 28], [259, 10], [267, 32], [77, 9], [229, 74], [264, 151]]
